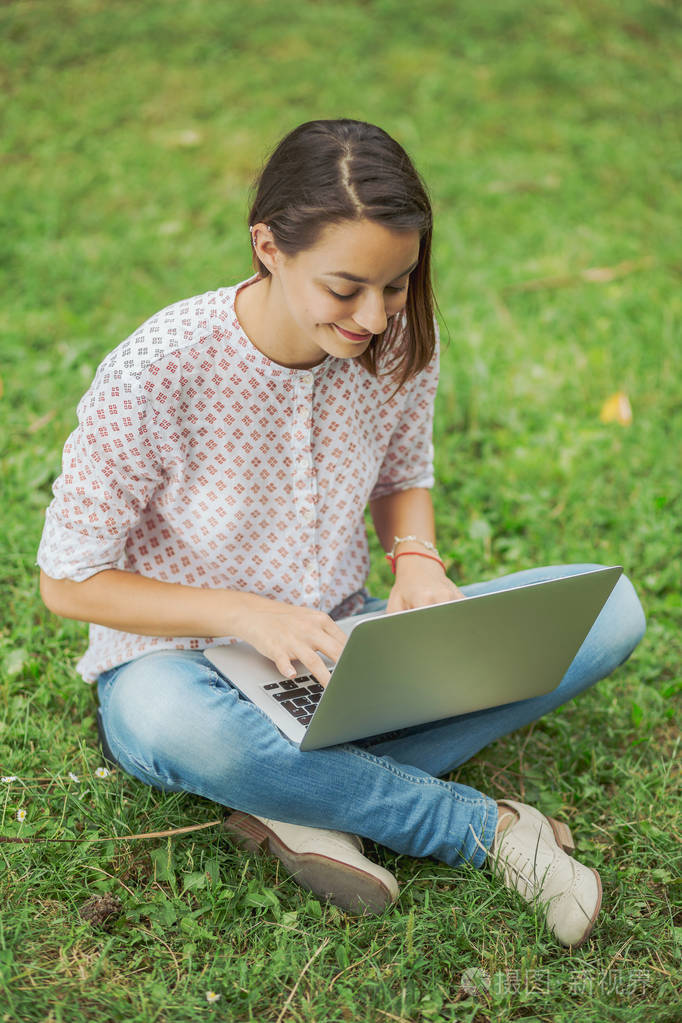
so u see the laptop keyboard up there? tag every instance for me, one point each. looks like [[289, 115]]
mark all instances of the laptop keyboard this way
[[298, 696]]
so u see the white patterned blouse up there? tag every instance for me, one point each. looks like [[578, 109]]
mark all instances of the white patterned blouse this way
[[198, 460]]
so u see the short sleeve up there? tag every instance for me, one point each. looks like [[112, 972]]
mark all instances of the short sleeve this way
[[408, 461], [110, 469]]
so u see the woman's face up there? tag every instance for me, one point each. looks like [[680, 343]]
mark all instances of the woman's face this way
[[337, 294]]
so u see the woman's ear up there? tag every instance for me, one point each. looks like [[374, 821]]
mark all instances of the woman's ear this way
[[264, 246]]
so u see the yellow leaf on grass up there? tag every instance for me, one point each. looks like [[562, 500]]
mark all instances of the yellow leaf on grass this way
[[617, 409]]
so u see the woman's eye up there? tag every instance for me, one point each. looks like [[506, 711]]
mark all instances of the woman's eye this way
[[393, 288]]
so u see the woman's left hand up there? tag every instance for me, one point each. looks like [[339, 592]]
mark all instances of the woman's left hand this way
[[420, 582]]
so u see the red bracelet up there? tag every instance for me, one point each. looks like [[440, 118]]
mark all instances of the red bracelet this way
[[392, 558]]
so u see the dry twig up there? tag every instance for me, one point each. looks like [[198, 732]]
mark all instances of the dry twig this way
[[300, 978]]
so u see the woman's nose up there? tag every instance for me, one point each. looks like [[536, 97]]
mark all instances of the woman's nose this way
[[371, 314]]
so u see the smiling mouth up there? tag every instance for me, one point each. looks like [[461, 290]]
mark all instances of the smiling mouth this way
[[350, 335]]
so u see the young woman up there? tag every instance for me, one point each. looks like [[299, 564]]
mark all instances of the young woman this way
[[215, 488]]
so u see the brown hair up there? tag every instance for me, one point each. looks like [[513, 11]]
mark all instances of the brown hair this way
[[325, 172]]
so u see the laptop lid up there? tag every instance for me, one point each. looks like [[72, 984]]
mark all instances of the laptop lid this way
[[411, 667]]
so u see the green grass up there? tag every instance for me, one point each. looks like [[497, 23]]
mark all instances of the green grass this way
[[549, 134]]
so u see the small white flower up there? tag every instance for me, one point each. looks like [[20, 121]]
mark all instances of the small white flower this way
[[212, 996], [73, 777], [21, 816], [102, 772], [9, 777]]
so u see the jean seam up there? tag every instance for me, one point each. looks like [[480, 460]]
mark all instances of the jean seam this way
[[446, 786], [469, 855], [142, 767]]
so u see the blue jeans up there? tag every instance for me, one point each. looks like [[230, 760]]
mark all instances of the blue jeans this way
[[172, 721]]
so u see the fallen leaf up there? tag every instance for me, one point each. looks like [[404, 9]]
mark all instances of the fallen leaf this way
[[617, 409]]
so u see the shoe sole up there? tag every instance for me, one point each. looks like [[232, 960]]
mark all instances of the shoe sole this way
[[350, 888]]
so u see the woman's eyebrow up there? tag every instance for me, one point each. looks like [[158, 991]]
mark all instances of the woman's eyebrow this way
[[363, 280]]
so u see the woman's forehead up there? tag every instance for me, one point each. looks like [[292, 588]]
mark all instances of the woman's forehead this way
[[361, 250]]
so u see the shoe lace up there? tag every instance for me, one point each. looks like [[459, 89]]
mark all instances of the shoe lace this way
[[517, 868], [519, 871]]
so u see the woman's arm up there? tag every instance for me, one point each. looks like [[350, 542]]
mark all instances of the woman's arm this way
[[419, 581], [148, 607], [404, 513]]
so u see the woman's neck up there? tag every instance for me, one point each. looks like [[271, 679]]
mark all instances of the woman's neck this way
[[263, 318]]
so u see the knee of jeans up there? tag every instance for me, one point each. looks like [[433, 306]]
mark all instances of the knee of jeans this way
[[619, 627], [143, 703], [160, 708], [629, 618]]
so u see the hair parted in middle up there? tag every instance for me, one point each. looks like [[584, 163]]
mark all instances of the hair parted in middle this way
[[329, 171]]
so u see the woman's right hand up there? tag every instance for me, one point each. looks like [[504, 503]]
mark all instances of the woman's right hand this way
[[285, 633]]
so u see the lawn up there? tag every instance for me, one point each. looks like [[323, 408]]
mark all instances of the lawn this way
[[549, 134]]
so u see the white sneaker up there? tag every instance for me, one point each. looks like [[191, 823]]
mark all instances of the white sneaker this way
[[328, 863], [530, 854]]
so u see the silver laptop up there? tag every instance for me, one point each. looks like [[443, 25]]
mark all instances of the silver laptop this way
[[410, 667]]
